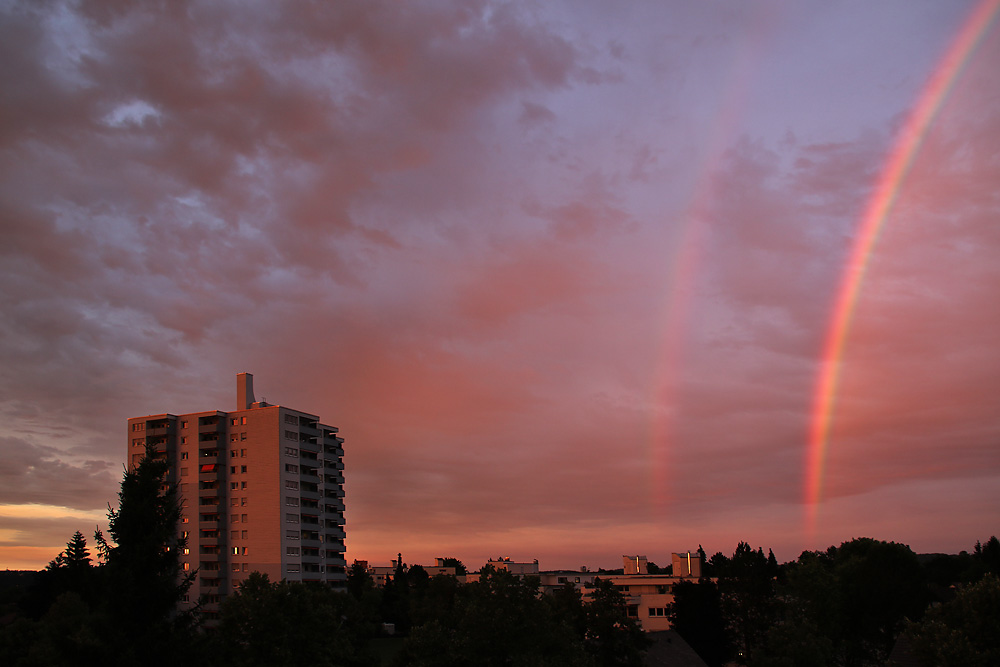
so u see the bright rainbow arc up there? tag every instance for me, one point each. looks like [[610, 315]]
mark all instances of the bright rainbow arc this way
[[906, 147]]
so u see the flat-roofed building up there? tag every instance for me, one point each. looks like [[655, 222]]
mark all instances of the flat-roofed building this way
[[261, 489]]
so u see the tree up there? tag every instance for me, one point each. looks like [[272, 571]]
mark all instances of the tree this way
[[696, 615], [746, 588], [847, 603], [497, 621], [75, 557], [144, 582], [611, 636], [459, 566], [289, 624], [963, 631]]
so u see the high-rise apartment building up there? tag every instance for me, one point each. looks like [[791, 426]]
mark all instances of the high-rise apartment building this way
[[261, 487]]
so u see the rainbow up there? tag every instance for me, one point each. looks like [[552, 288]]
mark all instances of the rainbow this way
[[906, 147]]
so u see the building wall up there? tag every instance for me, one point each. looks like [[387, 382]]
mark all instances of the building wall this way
[[261, 489]]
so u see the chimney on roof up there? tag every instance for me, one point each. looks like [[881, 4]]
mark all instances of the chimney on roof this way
[[244, 391]]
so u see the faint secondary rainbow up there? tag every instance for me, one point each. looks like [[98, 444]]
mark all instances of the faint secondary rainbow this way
[[893, 174]]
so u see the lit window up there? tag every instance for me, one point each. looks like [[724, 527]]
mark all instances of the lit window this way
[[244, 420], [236, 551], [184, 424], [243, 453], [187, 551], [235, 421]]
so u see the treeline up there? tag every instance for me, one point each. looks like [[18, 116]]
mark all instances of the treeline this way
[[120, 606], [847, 605]]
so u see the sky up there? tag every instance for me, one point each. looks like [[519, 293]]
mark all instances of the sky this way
[[574, 279]]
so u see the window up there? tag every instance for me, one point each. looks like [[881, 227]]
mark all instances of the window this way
[[234, 485], [184, 520], [236, 551], [243, 518], [243, 468], [291, 534], [234, 518], [243, 485], [243, 502], [243, 534], [234, 437], [184, 455], [232, 454], [291, 484], [291, 467], [292, 551], [232, 470], [236, 568], [184, 472], [291, 451], [184, 424], [187, 551], [235, 421], [245, 568], [234, 502], [187, 566], [234, 534], [291, 501], [291, 419], [291, 518], [293, 568]]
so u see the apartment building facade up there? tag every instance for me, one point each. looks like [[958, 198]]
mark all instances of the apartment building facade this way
[[261, 489]]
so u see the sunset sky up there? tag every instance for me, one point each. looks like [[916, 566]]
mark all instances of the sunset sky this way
[[571, 277]]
